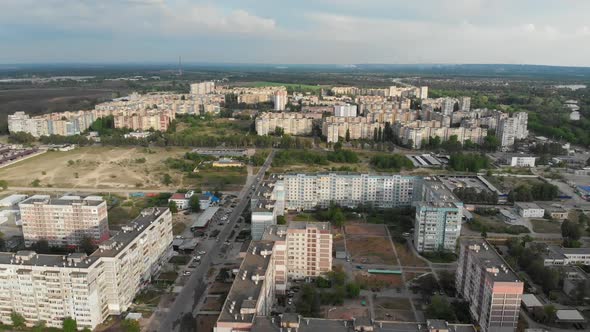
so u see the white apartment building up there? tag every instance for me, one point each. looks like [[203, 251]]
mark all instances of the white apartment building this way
[[491, 288], [423, 92], [202, 88], [465, 104], [279, 100], [529, 210], [302, 249], [438, 217], [448, 104], [253, 290], [267, 203], [88, 289], [345, 110], [64, 221], [513, 128], [309, 191], [293, 123]]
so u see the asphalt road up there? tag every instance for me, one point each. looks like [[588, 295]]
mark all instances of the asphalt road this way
[[195, 286]]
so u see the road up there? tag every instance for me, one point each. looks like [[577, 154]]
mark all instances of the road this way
[[195, 286]]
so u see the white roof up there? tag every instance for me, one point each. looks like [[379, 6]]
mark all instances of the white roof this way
[[12, 199], [531, 301], [569, 314], [133, 316]]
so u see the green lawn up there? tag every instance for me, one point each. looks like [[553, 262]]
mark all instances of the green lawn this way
[[546, 226]]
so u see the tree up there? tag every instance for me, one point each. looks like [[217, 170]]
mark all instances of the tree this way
[[36, 183], [194, 203], [588, 162], [70, 325], [440, 308], [42, 247], [338, 146], [347, 137], [571, 232], [353, 290], [130, 325], [87, 245], [39, 327], [18, 321], [172, 206], [166, 179], [3, 184], [549, 313], [279, 131], [281, 220], [456, 107]]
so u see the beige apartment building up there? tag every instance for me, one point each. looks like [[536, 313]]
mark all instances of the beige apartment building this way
[[335, 127], [489, 285], [302, 249], [64, 221], [292, 123], [88, 289]]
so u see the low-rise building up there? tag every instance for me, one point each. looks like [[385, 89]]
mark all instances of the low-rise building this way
[[182, 200], [529, 210], [522, 161], [555, 255], [227, 162]]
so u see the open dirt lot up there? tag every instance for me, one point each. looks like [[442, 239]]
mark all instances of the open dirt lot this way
[[371, 250], [396, 309], [365, 229], [351, 308], [378, 280], [99, 167], [407, 257]]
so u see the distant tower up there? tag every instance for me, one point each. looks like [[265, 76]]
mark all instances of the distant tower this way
[[179, 66]]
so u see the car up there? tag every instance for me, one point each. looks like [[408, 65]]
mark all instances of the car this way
[[179, 237], [202, 252], [359, 267], [187, 273]]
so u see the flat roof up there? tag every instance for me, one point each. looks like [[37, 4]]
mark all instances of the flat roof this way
[[571, 315], [490, 259], [571, 251], [531, 301], [204, 217], [527, 205], [65, 200], [245, 291]]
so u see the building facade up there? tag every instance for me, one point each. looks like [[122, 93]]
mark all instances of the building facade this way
[[88, 289], [65, 221], [345, 110], [292, 123], [491, 288]]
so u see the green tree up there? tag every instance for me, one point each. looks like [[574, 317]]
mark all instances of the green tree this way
[[70, 325], [18, 321], [353, 290], [281, 220], [36, 183], [166, 179], [440, 308], [338, 146], [347, 137], [87, 245], [130, 325], [172, 206], [194, 203], [39, 327], [3, 184]]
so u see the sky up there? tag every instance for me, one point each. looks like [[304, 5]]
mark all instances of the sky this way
[[548, 32]]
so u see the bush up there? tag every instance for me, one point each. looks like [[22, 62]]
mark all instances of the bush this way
[[391, 162]]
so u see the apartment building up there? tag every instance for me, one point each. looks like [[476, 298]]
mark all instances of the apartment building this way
[[491, 288], [50, 288], [65, 124], [423, 94], [64, 221], [438, 217], [465, 104], [279, 100], [145, 120], [252, 292], [512, 128], [267, 203], [293, 123], [335, 127], [345, 110], [416, 133], [302, 249], [202, 88], [310, 191]]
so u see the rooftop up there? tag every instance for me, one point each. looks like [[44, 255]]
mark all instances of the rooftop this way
[[495, 266], [240, 304], [65, 200], [527, 205]]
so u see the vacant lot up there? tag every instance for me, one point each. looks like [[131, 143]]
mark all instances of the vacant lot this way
[[396, 309], [113, 167], [379, 281], [407, 257], [545, 226], [365, 229], [371, 250], [350, 309]]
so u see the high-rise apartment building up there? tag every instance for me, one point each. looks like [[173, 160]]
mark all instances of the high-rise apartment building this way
[[465, 104], [279, 100], [447, 106], [202, 88], [512, 128], [65, 221], [302, 249], [309, 191], [345, 110], [267, 203], [88, 289], [491, 288], [423, 92], [438, 217]]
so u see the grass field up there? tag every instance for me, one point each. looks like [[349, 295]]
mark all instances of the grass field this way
[[407, 257], [114, 167], [546, 226], [371, 250]]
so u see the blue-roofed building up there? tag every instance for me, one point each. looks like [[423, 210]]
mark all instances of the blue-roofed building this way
[[584, 192]]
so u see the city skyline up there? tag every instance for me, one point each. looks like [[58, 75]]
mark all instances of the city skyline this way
[[319, 32]]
